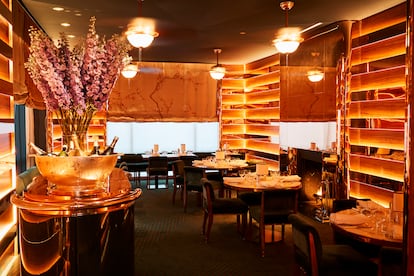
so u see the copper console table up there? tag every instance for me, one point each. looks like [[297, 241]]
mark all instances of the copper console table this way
[[60, 235]]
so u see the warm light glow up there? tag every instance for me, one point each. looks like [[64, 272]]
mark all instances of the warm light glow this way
[[140, 40], [130, 71], [141, 32], [287, 40], [217, 72], [315, 75]]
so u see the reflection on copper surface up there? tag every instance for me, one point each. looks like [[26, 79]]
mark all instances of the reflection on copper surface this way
[[40, 246], [68, 235]]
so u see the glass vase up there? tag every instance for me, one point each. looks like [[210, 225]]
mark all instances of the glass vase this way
[[80, 136]]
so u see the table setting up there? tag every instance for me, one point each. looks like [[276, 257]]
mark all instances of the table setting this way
[[252, 180], [369, 222]]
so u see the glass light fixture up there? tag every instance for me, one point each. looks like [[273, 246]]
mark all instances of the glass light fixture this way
[[315, 75], [288, 39], [141, 32], [139, 39], [217, 72], [130, 71]]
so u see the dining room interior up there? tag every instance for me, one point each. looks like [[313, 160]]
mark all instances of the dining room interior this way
[[225, 146]]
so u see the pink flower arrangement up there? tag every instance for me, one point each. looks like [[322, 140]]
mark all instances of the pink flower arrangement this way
[[76, 83]]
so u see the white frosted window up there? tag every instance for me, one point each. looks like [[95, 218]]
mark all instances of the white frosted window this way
[[141, 137]]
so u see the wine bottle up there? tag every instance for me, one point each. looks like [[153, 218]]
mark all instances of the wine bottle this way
[[36, 149], [110, 149], [77, 151], [95, 150]]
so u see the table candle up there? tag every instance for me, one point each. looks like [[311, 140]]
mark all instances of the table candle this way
[[156, 148], [182, 148]]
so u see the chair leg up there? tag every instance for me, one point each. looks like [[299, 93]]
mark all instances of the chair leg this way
[[283, 231], [244, 225], [209, 224], [185, 200], [174, 192], [262, 238], [204, 222]]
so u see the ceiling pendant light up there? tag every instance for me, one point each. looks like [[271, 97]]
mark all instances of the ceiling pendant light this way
[[288, 39], [217, 72], [130, 71], [141, 32], [315, 75]]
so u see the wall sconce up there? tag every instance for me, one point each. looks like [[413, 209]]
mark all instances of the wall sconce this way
[[217, 72]]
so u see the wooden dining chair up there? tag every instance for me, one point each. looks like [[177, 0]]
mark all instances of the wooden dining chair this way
[[178, 178], [135, 164], [221, 206], [192, 178], [274, 209], [157, 167], [314, 259]]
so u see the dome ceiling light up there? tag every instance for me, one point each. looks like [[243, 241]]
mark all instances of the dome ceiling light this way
[[217, 72], [141, 32], [288, 39], [317, 73]]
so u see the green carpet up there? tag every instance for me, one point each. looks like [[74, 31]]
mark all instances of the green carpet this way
[[169, 242]]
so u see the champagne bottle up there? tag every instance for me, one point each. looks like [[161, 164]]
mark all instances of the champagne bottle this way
[[64, 151], [110, 149], [36, 149], [95, 150], [77, 151]]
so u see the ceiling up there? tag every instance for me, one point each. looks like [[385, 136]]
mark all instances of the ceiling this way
[[189, 30]]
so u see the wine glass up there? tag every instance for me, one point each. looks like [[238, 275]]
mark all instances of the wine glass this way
[[243, 173]]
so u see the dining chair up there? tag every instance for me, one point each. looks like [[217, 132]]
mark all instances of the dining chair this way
[[178, 178], [188, 159], [390, 261], [135, 164], [314, 258], [274, 209], [221, 206], [192, 178], [157, 167]]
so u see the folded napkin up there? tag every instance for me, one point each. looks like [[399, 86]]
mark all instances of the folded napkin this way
[[289, 184], [348, 219], [232, 179], [290, 178]]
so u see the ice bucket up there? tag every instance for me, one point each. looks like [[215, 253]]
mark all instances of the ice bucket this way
[[76, 176]]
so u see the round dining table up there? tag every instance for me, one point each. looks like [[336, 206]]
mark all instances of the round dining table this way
[[352, 224]]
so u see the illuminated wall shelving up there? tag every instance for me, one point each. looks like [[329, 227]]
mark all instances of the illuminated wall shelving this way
[[250, 109], [376, 107], [7, 145]]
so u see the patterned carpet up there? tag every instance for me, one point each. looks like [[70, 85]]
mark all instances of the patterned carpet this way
[[169, 242]]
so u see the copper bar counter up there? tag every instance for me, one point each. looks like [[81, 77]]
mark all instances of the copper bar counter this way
[[64, 235]]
